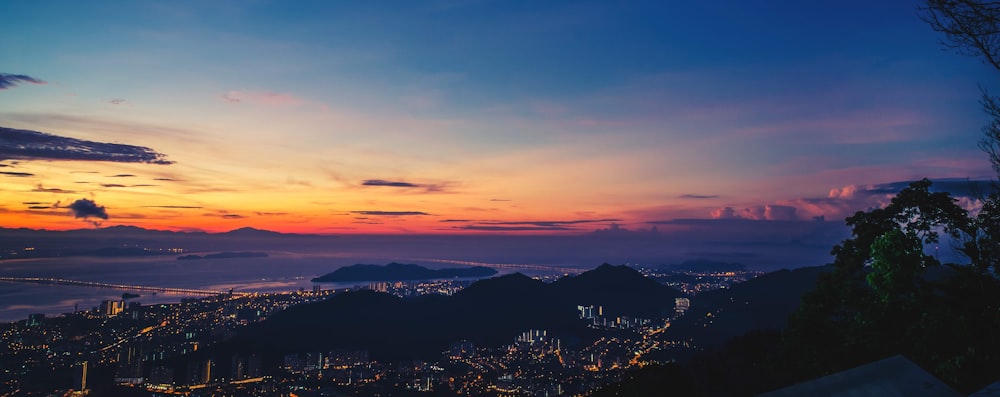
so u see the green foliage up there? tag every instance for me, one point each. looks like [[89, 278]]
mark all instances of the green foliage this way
[[880, 300], [896, 265]]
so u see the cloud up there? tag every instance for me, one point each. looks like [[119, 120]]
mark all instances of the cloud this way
[[380, 182], [8, 81], [38, 207], [521, 226], [699, 196], [117, 101], [389, 213], [172, 206], [724, 213], [233, 216], [496, 199], [261, 98], [17, 174], [560, 224], [85, 208], [512, 228], [294, 181], [844, 201], [427, 187], [779, 212], [115, 185], [122, 176], [270, 213], [42, 189], [34, 145]]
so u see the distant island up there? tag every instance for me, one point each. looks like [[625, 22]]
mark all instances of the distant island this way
[[224, 255], [399, 272]]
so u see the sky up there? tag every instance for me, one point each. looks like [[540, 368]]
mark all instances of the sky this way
[[474, 117]]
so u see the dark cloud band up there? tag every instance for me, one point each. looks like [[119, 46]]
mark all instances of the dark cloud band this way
[[8, 81], [389, 213], [34, 145], [381, 182]]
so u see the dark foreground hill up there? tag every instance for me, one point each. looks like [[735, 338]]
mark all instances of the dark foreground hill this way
[[490, 312], [763, 303]]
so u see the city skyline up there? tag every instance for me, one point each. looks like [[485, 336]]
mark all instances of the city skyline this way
[[475, 117]]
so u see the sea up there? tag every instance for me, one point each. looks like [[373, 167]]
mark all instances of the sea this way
[[279, 272]]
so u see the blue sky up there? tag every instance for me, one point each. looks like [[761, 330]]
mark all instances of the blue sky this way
[[488, 115]]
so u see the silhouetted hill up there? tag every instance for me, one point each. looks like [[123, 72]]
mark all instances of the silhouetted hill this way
[[620, 289], [251, 232], [651, 381], [761, 303], [490, 312], [397, 271]]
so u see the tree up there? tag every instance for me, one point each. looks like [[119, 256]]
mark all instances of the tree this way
[[972, 27], [887, 296]]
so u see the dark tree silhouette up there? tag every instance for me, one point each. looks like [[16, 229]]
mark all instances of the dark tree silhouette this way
[[972, 27], [887, 296]]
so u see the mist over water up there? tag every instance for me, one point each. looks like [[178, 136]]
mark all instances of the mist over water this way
[[276, 273]]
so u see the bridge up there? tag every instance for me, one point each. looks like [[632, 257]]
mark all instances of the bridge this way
[[126, 287]]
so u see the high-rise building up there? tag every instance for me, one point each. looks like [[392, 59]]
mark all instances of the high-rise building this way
[[238, 367], [36, 319], [81, 376], [314, 360], [111, 308], [208, 373], [130, 364]]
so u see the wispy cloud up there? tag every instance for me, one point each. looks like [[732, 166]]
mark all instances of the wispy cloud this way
[[259, 213], [512, 228], [17, 174], [8, 81], [117, 101], [34, 145], [699, 196], [562, 224], [390, 213], [42, 189], [382, 182], [122, 176], [261, 98], [425, 187], [522, 226]]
